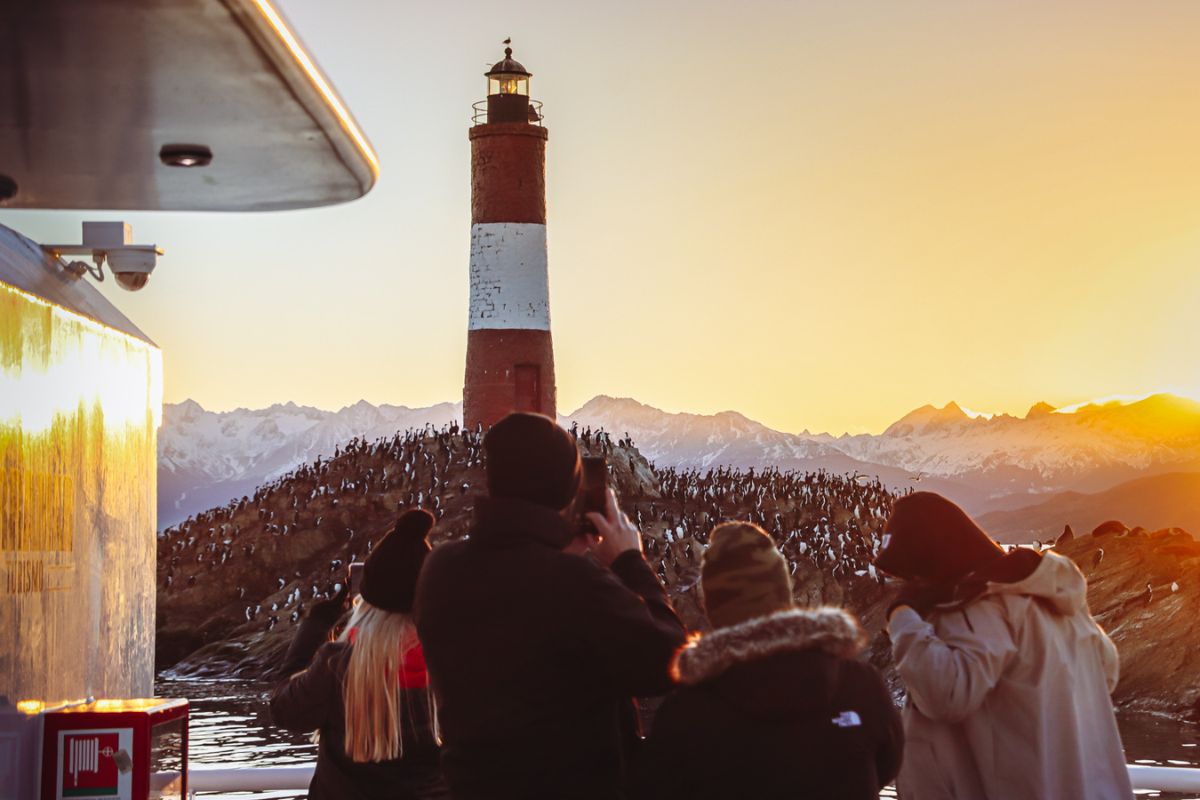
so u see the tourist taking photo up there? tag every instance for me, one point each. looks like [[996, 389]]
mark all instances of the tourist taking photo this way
[[367, 693], [1008, 675]]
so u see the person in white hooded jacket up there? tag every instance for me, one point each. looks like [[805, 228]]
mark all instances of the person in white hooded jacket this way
[[1009, 677]]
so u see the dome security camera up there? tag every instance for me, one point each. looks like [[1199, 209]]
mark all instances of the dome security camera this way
[[132, 266]]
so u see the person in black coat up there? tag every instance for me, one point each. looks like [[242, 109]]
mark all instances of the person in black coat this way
[[535, 649], [387, 748], [773, 702]]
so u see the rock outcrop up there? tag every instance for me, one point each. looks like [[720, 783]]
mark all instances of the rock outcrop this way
[[1144, 589]]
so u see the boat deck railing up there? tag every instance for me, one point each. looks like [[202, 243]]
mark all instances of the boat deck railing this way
[[202, 780]]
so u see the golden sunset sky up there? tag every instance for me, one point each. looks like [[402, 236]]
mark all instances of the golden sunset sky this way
[[819, 214]]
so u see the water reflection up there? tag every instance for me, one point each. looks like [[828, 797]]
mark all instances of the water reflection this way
[[230, 726]]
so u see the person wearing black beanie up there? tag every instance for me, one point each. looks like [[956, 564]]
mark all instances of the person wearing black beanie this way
[[928, 537], [1008, 675], [368, 693], [535, 647], [931, 544], [390, 573], [530, 457]]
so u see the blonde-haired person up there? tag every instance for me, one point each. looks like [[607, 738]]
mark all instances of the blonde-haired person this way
[[773, 702], [367, 693]]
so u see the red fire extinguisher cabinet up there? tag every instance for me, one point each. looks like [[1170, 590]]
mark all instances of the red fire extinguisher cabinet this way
[[116, 750]]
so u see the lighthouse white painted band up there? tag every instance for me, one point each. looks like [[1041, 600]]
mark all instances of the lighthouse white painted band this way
[[509, 283]]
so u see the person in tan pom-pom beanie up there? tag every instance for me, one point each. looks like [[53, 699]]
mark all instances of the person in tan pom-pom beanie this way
[[743, 575], [773, 702]]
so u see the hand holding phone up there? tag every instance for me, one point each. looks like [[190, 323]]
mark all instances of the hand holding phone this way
[[616, 533]]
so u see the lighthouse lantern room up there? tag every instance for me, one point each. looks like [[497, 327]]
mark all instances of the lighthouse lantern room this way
[[508, 90]]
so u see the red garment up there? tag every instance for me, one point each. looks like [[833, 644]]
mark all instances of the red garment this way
[[412, 665], [412, 669]]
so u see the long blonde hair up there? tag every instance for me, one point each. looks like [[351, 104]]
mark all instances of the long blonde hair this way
[[371, 691]]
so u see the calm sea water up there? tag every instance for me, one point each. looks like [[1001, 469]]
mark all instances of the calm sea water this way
[[230, 726]]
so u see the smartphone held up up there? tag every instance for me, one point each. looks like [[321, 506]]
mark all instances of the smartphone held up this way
[[593, 494]]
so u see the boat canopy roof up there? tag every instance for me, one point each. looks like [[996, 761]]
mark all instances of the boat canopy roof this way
[[98, 99]]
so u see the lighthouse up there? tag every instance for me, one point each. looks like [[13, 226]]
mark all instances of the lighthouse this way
[[510, 355]]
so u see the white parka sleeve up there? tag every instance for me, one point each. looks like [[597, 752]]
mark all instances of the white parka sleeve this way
[[949, 675]]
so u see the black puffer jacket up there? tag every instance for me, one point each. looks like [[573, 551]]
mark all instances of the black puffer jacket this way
[[535, 654], [312, 701], [775, 707]]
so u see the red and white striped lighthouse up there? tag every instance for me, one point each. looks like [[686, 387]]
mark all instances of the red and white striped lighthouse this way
[[510, 356]]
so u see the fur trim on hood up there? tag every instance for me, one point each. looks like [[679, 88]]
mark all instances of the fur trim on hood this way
[[833, 630]]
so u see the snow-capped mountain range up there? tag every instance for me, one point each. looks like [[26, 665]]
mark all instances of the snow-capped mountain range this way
[[206, 458], [985, 463]]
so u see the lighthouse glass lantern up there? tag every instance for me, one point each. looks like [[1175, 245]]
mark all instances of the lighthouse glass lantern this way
[[508, 83], [508, 91]]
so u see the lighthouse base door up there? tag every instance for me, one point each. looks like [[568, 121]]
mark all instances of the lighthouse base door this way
[[528, 388]]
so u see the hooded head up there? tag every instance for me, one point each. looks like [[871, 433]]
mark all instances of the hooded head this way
[[531, 458], [930, 538], [743, 575], [390, 573]]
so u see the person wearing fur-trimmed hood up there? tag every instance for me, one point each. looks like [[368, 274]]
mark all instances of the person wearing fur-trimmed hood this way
[[1009, 678], [773, 702]]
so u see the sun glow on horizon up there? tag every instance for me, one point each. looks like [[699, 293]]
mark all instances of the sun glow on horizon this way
[[1125, 400]]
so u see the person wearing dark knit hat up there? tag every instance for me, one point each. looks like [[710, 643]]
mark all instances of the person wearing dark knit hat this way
[[368, 693], [931, 544], [390, 573], [1008, 675], [537, 634], [929, 537], [530, 457], [773, 702]]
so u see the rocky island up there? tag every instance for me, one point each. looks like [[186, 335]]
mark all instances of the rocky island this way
[[234, 580]]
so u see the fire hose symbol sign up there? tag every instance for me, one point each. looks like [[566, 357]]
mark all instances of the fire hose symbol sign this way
[[89, 767]]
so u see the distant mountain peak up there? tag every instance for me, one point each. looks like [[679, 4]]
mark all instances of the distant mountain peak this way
[[1041, 409], [606, 403], [926, 417], [188, 406]]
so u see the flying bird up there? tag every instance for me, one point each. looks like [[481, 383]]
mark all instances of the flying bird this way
[[916, 478], [507, 41]]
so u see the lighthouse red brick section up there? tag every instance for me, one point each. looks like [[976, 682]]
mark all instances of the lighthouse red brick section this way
[[510, 355]]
